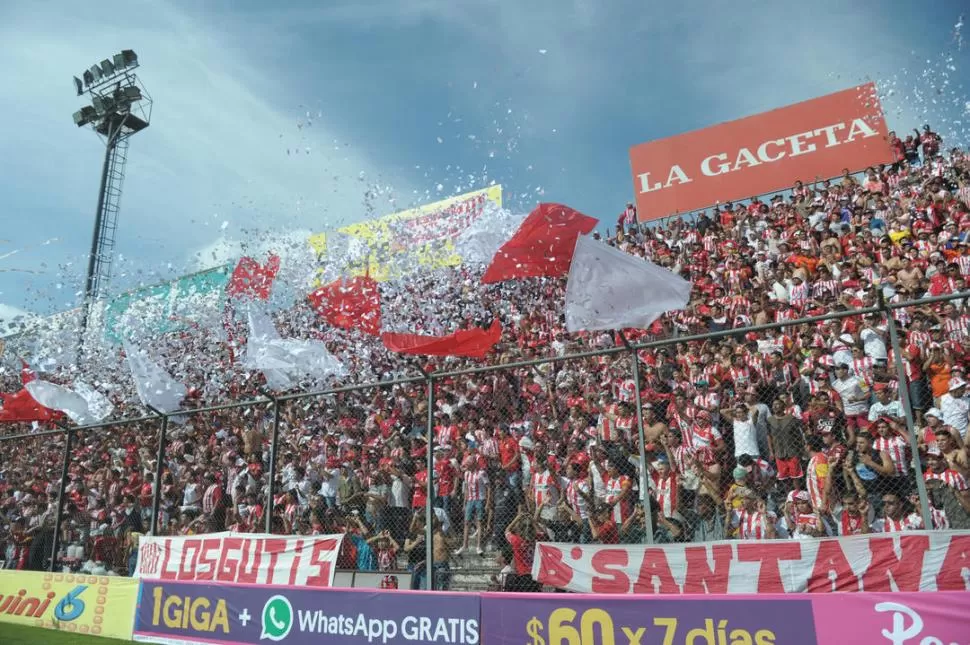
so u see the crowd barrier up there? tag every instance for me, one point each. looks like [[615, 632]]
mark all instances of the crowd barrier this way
[[186, 613]]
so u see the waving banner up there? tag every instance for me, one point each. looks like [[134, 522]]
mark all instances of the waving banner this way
[[247, 558], [918, 561], [394, 246]]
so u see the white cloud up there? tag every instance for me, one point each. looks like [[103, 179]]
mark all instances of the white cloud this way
[[217, 148]]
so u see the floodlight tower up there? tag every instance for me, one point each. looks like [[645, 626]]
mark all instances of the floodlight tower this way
[[119, 107]]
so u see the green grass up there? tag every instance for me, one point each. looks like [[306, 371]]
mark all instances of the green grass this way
[[21, 635]]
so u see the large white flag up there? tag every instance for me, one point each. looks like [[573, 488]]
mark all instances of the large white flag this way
[[285, 361], [99, 405], [610, 289], [71, 403], [154, 385]]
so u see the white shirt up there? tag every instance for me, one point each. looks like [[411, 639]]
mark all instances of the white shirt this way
[[849, 389], [745, 438], [873, 345], [328, 487], [955, 412], [892, 409], [400, 492]]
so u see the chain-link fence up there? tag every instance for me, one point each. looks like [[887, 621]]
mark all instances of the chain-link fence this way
[[803, 426]]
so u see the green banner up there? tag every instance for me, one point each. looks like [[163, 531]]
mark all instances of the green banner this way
[[196, 299]]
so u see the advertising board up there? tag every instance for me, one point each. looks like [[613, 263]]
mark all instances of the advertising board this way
[[93, 605], [860, 619], [814, 139], [186, 613]]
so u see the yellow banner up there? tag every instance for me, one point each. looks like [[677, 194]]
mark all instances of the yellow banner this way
[[80, 604], [418, 237]]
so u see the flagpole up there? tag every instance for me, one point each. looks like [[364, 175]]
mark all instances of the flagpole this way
[[644, 490]]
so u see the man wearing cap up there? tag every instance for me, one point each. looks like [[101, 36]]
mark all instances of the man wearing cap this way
[[885, 405], [949, 492], [955, 407]]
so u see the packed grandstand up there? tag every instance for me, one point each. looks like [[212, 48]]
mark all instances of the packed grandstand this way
[[789, 433]]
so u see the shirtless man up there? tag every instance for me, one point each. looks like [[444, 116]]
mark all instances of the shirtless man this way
[[439, 545]]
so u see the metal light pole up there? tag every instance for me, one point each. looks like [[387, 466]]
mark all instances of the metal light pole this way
[[119, 108]]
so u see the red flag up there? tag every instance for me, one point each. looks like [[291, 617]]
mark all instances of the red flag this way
[[20, 407], [26, 374], [543, 245], [249, 278], [350, 304], [473, 343]]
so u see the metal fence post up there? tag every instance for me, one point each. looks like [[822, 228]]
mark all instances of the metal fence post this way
[[429, 490], [270, 500], [56, 542], [644, 488], [157, 492], [924, 501], [160, 457]]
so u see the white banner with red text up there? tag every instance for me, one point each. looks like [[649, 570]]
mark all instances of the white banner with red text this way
[[245, 558], [917, 561]]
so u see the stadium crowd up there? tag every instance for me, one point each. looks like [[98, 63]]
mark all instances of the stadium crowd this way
[[794, 433]]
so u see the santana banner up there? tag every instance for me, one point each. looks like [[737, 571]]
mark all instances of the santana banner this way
[[94, 605], [860, 619], [930, 561], [760, 153], [200, 613], [394, 245], [240, 557]]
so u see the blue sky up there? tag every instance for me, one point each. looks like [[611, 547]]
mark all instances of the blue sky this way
[[410, 101]]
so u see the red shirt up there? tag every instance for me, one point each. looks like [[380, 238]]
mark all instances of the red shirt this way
[[508, 449], [446, 477], [420, 488], [608, 533], [522, 552]]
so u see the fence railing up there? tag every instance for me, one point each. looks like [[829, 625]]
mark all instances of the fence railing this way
[[751, 433]]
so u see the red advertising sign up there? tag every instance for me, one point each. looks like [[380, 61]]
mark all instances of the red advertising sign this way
[[761, 153], [917, 561], [247, 558]]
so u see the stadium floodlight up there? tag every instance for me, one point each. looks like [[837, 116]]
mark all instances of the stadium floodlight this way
[[85, 115], [107, 68], [132, 93], [129, 57], [88, 78], [78, 86], [96, 72], [103, 104]]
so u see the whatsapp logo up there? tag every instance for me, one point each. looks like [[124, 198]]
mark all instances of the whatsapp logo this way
[[277, 618]]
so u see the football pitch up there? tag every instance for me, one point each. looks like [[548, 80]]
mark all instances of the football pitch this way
[[20, 635]]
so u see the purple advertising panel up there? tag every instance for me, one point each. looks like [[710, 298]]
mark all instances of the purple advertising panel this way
[[193, 612], [557, 619]]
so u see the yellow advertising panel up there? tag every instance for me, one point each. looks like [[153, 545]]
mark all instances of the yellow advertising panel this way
[[418, 237], [80, 604]]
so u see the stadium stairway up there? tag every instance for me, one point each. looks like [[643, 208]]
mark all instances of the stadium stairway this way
[[473, 572]]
